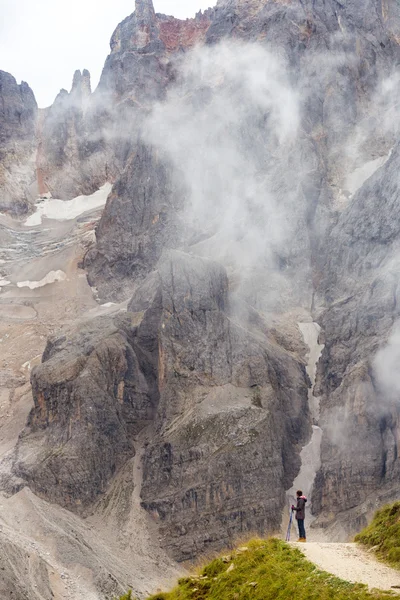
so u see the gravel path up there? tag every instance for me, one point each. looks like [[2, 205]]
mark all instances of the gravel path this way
[[351, 563]]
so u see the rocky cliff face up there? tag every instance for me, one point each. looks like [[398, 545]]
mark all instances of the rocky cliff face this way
[[18, 115], [139, 67], [81, 146], [137, 73], [85, 139], [71, 160], [253, 185], [80, 393], [227, 408], [360, 448], [153, 218], [231, 415], [337, 99]]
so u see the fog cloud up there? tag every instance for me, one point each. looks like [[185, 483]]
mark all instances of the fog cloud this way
[[386, 366], [230, 126]]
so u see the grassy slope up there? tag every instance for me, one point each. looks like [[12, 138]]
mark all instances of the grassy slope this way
[[266, 570], [383, 534]]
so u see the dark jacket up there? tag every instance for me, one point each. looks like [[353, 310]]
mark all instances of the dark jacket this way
[[301, 508]]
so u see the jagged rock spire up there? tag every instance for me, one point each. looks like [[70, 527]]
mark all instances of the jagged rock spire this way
[[144, 10], [81, 83]]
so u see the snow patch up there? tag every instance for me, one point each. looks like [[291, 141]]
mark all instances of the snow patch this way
[[51, 277], [359, 176], [28, 364], [66, 210], [4, 282]]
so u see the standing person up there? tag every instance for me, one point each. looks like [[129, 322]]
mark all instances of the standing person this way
[[300, 514]]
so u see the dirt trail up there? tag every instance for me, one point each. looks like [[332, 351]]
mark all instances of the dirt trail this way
[[351, 563]]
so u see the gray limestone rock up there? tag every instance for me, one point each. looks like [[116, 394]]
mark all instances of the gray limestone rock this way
[[346, 263], [18, 112], [72, 157], [360, 465], [195, 360], [335, 99], [228, 408], [144, 208], [91, 397], [231, 418], [86, 139]]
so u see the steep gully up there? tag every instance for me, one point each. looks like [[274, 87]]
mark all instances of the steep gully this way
[[311, 453]]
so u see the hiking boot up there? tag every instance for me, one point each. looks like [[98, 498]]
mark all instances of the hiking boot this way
[[302, 540]]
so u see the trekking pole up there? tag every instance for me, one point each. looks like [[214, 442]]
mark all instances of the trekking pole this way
[[290, 526]]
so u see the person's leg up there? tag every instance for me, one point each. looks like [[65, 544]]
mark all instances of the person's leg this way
[[302, 531]]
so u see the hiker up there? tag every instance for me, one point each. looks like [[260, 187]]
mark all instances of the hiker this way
[[300, 514]]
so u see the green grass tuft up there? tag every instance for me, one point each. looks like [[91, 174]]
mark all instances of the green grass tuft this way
[[266, 570], [383, 534], [127, 596], [273, 570]]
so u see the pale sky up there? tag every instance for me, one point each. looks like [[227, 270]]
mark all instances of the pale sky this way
[[44, 41]]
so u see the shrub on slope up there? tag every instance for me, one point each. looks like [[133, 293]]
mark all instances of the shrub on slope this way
[[383, 534], [266, 570]]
